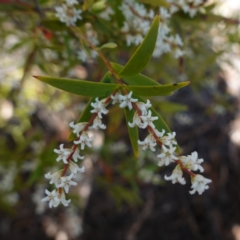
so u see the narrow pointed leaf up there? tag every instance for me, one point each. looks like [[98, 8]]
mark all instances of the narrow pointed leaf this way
[[152, 91], [80, 87], [156, 3], [109, 45], [133, 132], [143, 54], [138, 79]]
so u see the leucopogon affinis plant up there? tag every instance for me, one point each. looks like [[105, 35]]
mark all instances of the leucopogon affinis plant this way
[[125, 86]]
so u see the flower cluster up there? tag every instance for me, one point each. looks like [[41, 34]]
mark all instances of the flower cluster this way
[[70, 157], [67, 13], [137, 23], [92, 37], [144, 119], [138, 20]]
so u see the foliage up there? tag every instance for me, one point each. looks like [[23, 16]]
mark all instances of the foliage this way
[[63, 53]]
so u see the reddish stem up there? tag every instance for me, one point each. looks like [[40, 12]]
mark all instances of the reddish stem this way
[[107, 101]]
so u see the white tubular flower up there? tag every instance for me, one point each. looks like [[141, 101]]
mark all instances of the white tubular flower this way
[[78, 127], [106, 13], [84, 140], [159, 134], [178, 40], [177, 176], [127, 101], [116, 98], [63, 154], [66, 182], [164, 13], [71, 2], [199, 184], [148, 120], [93, 53], [63, 200], [99, 107], [192, 162], [171, 137], [55, 177], [137, 121], [82, 55], [149, 142], [77, 156], [144, 107], [52, 197], [68, 14], [75, 169], [97, 123], [178, 53], [167, 156]]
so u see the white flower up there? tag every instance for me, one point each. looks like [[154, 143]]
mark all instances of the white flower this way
[[144, 107], [106, 13], [149, 142], [93, 53], [169, 139], [63, 154], [167, 156], [84, 140], [178, 53], [78, 127], [164, 13], [63, 200], [66, 182], [75, 169], [99, 107], [71, 2], [148, 120], [178, 40], [159, 134], [177, 176], [127, 101], [137, 121], [77, 156], [82, 55], [55, 177], [97, 123], [68, 14], [192, 162], [199, 184], [52, 198], [116, 98]]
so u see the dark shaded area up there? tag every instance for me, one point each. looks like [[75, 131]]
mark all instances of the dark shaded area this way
[[170, 212]]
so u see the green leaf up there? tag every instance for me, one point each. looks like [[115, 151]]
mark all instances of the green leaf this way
[[87, 4], [152, 91], [133, 132], [98, 6], [156, 3], [169, 107], [143, 54], [139, 79], [109, 45], [80, 87]]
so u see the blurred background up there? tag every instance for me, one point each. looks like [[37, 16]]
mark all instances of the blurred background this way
[[119, 197]]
